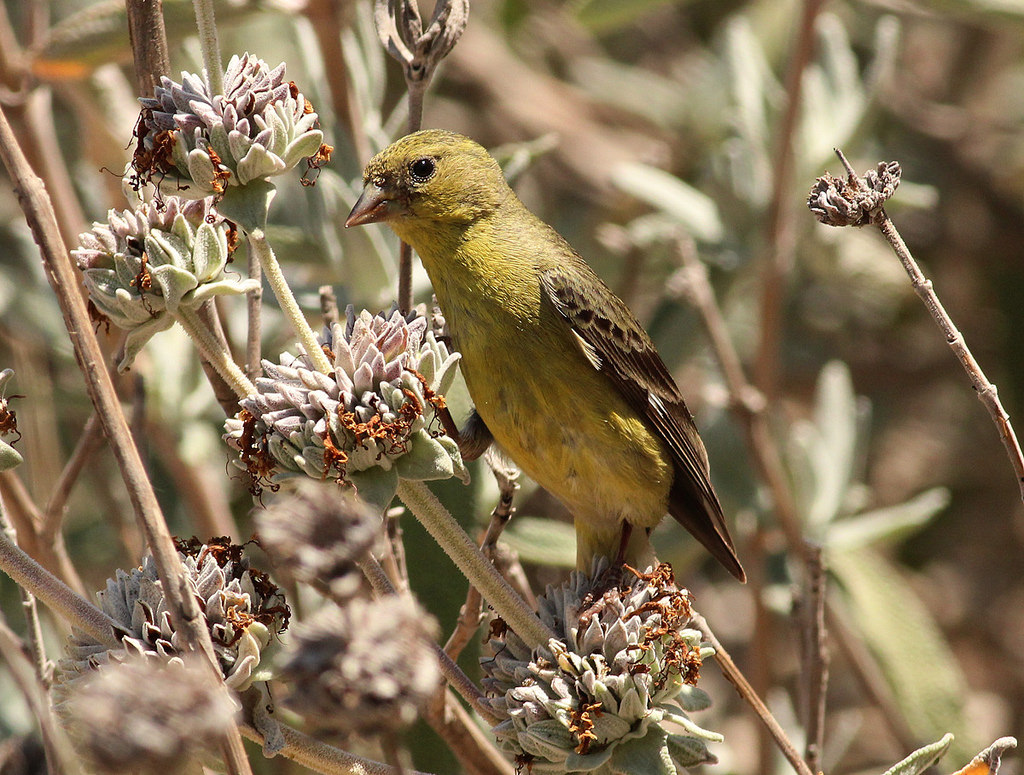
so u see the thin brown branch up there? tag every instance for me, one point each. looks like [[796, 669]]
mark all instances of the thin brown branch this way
[[816, 657], [55, 594], [38, 209], [27, 522], [745, 400], [329, 18], [986, 391], [746, 691], [88, 444], [149, 43], [467, 741], [779, 236]]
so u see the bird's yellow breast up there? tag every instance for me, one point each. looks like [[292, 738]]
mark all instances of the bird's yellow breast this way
[[554, 414]]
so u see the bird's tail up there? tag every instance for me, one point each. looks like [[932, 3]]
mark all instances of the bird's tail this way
[[706, 523]]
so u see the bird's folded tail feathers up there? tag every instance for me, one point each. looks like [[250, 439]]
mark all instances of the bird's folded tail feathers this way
[[707, 524]]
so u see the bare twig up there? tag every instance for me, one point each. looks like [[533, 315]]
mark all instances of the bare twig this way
[[328, 21], [419, 51], [27, 521], [745, 400], [859, 201], [183, 609], [470, 744], [737, 679], [88, 444], [148, 38], [779, 237], [816, 658], [328, 305]]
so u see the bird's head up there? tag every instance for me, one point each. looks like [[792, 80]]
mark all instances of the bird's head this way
[[430, 176]]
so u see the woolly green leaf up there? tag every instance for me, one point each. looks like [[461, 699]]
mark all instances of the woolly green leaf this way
[[248, 205], [542, 541], [695, 211], [918, 664], [888, 523], [9, 457], [922, 758]]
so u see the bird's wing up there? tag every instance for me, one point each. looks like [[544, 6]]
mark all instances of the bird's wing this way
[[616, 345]]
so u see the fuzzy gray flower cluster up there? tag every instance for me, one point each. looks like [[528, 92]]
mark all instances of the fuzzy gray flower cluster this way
[[144, 267], [366, 668], [243, 609], [368, 423], [147, 716], [261, 126], [596, 699]]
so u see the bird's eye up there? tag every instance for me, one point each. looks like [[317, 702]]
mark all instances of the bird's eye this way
[[422, 169]]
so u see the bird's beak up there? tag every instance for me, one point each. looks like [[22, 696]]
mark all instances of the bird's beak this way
[[374, 205]]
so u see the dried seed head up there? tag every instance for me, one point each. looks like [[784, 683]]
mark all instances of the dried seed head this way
[[853, 201], [260, 127], [366, 668], [319, 534], [146, 715], [243, 609], [144, 266], [367, 423], [419, 51], [596, 697]]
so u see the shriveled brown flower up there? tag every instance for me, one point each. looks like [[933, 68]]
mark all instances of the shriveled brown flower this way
[[145, 715], [366, 668], [853, 201], [318, 534]]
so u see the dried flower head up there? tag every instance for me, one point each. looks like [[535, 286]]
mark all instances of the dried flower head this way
[[9, 456], [366, 668], [241, 606], [143, 267], [319, 535], [596, 698], [146, 715], [853, 201], [367, 423], [261, 126], [419, 51]]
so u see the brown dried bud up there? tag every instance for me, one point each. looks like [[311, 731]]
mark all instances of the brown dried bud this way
[[366, 668], [401, 32], [147, 716], [853, 201], [319, 534]]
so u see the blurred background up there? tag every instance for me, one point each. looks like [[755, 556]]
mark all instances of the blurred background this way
[[646, 132]]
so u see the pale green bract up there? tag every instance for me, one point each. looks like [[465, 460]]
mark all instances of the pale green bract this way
[[143, 267], [260, 127], [369, 422], [597, 698], [242, 610]]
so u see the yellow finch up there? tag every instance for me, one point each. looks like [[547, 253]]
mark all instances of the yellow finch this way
[[562, 375]]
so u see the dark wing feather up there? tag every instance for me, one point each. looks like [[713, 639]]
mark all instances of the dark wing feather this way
[[617, 345]]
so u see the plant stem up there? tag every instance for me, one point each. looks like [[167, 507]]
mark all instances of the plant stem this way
[[275, 277], [482, 574], [746, 691], [454, 674], [58, 596], [986, 390], [207, 26], [217, 356]]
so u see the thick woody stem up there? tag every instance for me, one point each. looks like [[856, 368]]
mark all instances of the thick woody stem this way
[[481, 573]]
